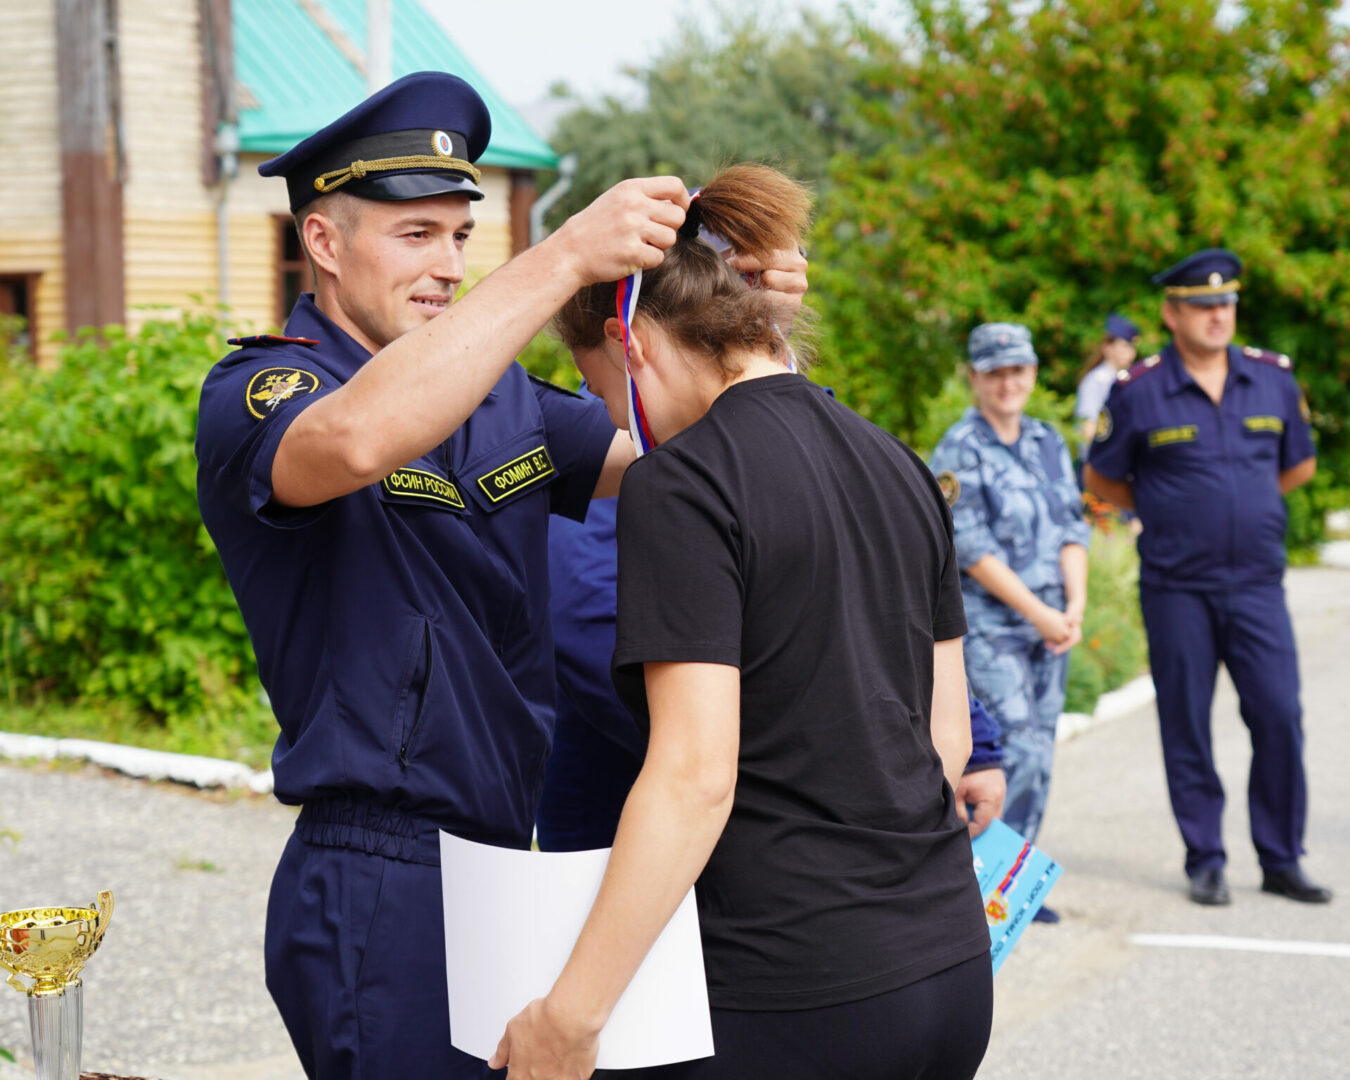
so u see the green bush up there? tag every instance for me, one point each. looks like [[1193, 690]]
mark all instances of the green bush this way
[[110, 589], [1114, 649]]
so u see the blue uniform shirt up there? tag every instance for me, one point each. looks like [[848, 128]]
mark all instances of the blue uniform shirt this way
[[1206, 477], [1019, 503], [402, 631]]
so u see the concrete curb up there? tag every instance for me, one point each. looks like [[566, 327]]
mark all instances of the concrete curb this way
[[1114, 704], [202, 772], [1336, 554], [205, 772]]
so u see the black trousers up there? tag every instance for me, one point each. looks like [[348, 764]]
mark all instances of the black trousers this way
[[934, 1029]]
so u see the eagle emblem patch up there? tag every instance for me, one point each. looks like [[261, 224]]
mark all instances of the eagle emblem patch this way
[[272, 386], [950, 485], [1104, 425]]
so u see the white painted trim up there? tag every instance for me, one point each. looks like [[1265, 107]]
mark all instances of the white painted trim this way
[[134, 761], [1114, 704], [1335, 553]]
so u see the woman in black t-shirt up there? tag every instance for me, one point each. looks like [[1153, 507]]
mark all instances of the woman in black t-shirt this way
[[789, 633]]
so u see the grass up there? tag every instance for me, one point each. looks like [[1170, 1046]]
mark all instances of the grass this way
[[246, 737], [205, 866]]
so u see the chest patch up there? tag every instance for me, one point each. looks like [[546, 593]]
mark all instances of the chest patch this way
[[1171, 436], [419, 484], [1272, 425], [505, 480], [272, 386]]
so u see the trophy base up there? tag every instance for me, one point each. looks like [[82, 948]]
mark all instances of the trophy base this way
[[56, 1023]]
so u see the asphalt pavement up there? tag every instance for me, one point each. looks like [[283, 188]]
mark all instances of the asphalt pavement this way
[[176, 992], [1085, 999]]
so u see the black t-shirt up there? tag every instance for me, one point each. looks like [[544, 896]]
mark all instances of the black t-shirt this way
[[787, 536]]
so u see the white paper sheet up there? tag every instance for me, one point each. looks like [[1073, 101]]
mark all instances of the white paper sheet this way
[[511, 919]]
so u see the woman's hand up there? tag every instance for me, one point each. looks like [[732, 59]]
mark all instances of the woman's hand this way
[[543, 1044], [1057, 630]]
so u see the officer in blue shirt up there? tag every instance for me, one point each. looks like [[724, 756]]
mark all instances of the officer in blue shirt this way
[[1022, 544], [1203, 440], [378, 483]]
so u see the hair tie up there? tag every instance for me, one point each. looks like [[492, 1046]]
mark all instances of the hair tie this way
[[693, 219]]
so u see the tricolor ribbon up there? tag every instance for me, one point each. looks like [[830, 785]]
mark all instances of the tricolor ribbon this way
[[638, 427]]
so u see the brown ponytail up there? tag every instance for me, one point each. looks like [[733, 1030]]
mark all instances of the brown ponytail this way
[[694, 296]]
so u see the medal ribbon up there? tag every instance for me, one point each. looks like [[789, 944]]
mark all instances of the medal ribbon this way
[[627, 296]]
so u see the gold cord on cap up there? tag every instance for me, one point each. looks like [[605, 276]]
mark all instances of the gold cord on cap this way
[[1180, 291], [357, 170]]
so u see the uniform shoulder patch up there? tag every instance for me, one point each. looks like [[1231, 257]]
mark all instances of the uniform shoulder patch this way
[[553, 386], [950, 485], [1141, 368], [269, 339], [1105, 425], [271, 386], [1268, 356]]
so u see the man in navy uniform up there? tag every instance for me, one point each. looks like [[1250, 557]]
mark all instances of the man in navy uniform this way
[[1203, 440], [378, 483]]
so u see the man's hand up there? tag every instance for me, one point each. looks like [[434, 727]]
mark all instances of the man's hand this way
[[983, 791], [627, 228], [783, 275], [539, 1044]]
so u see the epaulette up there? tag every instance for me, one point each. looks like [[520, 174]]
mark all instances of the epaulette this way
[[1139, 369], [269, 339], [553, 386], [1268, 356]]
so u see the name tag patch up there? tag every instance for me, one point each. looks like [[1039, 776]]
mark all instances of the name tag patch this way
[[272, 386], [1264, 424], [419, 484], [1170, 436], [506, 480]]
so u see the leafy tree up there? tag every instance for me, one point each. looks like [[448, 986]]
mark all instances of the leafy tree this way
[[1049, 159], [779, 90]]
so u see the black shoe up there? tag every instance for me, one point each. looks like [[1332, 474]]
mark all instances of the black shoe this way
[[1294, 885], [1046, 915], [1208, 887]]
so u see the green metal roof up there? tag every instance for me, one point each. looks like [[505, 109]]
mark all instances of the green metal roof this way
[[295, 79]]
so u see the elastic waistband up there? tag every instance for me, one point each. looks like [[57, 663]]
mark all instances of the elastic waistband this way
[[375, 828]]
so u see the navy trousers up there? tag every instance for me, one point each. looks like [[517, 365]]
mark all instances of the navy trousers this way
[[585, 786], [355, 953], [1249, 632]]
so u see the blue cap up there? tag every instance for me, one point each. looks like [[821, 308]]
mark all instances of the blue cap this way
[[1000, 344], [1117, 326], [1208, 278], [418, 136]]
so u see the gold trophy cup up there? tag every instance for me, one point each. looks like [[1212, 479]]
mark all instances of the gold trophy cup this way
[[43, 949]]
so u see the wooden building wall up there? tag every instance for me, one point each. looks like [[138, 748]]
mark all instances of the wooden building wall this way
[[170, 225], [30, 189], [170, 214]]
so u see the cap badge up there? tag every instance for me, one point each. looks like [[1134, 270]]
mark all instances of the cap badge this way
[[1215, 280], [440, 142], [1003, 339]]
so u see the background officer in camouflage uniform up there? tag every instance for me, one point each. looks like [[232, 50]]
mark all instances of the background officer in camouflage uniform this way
[[1022, 544]]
